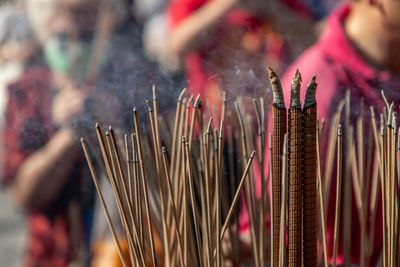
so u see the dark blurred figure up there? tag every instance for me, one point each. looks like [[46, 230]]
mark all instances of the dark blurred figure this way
[[91, 67]]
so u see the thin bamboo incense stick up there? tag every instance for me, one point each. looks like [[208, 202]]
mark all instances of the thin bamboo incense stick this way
[[193, 203], [383, 191], [103, 204], [135, 251], [249, 190], [237, 195], [144, 184], [278, 132], [338, 194], [261, 164], [113, 148], [295, 176], [161, 184], [171, 198], [176, 124], [321, 201], [310, 216]]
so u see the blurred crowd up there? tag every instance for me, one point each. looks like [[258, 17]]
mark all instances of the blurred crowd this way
[[65, 64]]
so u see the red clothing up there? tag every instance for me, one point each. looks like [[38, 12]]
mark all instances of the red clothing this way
[[338, 66], [233, 58], [28, 127]]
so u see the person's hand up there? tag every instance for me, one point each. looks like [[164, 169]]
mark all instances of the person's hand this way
[[67, 104]]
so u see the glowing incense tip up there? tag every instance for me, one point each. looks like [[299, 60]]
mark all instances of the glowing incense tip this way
[[276, 88], [295, 91], [310, 99]]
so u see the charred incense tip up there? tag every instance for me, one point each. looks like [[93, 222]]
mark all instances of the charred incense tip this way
[[134, 109], [164, 150], [183, 139], [110, 128], [382, 129], [252, 154], [276, 88], [196, 101], [181, 95], [223, 96], [394, 122], [107, 133], [295, 91], [186, 143], [148, 105], [82, 140], [339, 131], [209, 126], [97, 124], [310, 99], [221, 129]]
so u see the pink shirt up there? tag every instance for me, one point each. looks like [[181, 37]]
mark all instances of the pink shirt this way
[[338, 67]]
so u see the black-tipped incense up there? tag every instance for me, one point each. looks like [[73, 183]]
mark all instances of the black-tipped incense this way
[[295, 91]]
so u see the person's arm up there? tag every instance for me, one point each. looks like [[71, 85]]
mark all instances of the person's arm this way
[[41, 176], [196, 26]]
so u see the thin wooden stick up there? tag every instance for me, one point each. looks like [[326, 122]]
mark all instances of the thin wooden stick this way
[[103, 204], [193, 203], [144, 184], [172, 201], [237, 195], [338, 194], [321, 202]]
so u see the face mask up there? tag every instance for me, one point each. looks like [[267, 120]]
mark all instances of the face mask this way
[[67, 57]]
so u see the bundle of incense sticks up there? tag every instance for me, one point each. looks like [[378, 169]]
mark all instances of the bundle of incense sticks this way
[[302, 173], [175, 210], [170, 205]]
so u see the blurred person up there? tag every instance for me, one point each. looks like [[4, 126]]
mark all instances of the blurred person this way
[[17, 47], [225, 44]]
